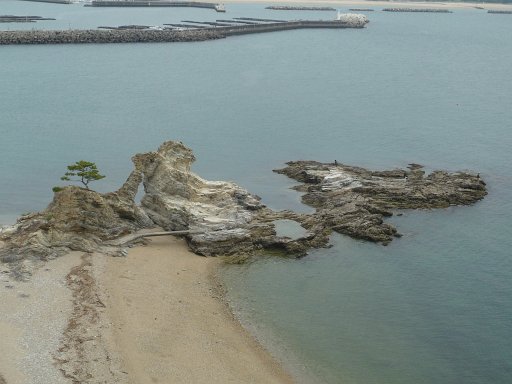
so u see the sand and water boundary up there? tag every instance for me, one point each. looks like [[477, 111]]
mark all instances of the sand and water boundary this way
[[155, 316]]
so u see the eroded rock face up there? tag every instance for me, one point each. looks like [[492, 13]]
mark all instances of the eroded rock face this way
[[225, 219], [355, 201], [77, 219], [222, 217], [223, 214]]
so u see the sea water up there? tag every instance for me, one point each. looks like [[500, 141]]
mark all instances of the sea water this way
[[432, 307]]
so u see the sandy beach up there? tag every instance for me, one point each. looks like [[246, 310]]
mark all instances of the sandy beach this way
[[33, 316], [171, 323], [155, 316]]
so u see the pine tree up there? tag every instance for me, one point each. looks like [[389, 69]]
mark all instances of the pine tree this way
[[84, 171]]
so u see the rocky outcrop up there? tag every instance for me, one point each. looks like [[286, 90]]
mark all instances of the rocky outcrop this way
[[77, 219], [221, 214], [221, 218], [355, 201]]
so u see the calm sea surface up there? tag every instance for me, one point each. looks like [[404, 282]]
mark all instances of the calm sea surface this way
[[432, 307]]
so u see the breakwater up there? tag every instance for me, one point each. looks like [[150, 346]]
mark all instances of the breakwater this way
[[22, 19], [103, 36], [500, 12], [293, 8], [52, 1], [289, 25], [138, 35], [424, 10], [194, 4], [238, 27]]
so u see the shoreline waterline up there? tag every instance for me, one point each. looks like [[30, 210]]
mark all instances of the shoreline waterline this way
[[160, 316], [193, 331]]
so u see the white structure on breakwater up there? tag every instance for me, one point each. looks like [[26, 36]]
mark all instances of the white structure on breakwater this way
[[352, 18]]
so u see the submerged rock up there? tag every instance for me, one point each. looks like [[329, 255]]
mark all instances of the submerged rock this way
[[224, 219]]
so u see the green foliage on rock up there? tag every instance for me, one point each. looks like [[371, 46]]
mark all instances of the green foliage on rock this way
[[83, 172]]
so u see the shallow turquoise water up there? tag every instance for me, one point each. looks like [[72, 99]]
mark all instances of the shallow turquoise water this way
[[433, 306]]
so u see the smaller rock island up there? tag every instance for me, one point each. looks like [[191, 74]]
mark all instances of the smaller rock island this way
[[354, 201]]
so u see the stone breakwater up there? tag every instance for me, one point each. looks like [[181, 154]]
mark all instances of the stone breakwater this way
[[52, 1], [22, 19], [102, 36], [424, 10], [138, 35], [293, 8], [221, 217]]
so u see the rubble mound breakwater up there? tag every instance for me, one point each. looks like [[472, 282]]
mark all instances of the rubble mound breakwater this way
[[294, 8], [155, 3], [425, 10], [500, 12], [143, 34], [103, 36], [22, 19]]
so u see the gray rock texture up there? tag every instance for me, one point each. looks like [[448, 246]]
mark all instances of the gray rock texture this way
[[354, 201], [224, 219], [101, 36], [224, 214]]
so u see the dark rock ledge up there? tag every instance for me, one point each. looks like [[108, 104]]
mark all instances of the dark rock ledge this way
[[224, 219], [354, 201]]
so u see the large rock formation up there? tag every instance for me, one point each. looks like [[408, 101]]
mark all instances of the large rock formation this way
[[223, 218], [355, 201], [77, 219]]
